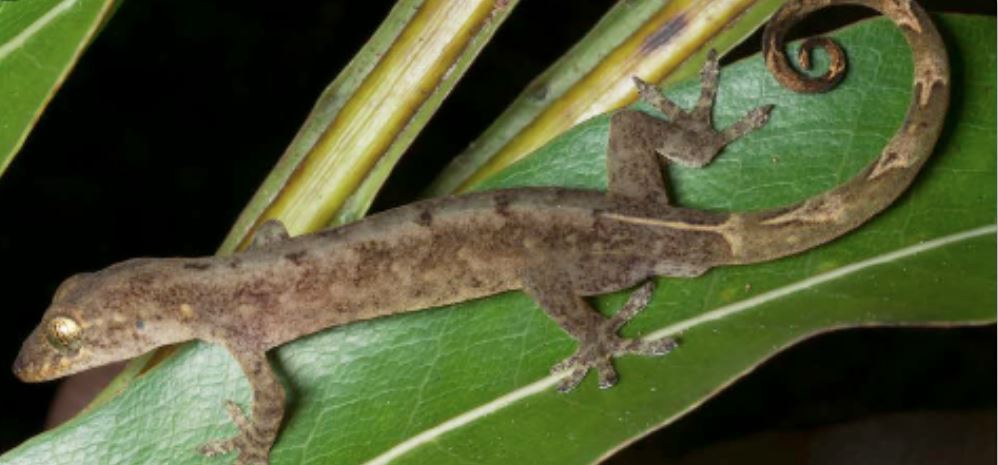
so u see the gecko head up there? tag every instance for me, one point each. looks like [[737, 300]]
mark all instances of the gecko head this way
[[87, 326]]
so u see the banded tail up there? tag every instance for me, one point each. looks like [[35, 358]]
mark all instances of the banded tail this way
[[765, 235]]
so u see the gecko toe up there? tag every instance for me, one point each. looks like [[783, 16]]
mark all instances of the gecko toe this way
[[637, 302], [218, 447], [236, 414], [572, 380], [654, 97], [650, 348], [248, 453], [600, 357], [607, 373], [754, 119]]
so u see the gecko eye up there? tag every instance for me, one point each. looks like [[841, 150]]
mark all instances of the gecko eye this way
[[63, 333]]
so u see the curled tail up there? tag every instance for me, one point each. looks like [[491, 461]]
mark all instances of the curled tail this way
[[769, 234]]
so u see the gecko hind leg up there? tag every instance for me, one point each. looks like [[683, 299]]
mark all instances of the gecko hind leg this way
[[599, 349], [692, 140], [597, 336]]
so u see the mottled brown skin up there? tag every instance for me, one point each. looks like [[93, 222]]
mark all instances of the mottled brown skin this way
[[558, 245]]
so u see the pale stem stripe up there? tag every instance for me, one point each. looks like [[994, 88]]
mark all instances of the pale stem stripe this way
[[19, 40], [548, 382]]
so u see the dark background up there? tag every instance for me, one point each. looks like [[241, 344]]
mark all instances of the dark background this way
[[179, 109]]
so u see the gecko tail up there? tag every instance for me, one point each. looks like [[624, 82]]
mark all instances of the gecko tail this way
[[779, 232]]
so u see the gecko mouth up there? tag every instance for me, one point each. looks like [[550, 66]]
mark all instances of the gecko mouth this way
[[27, 372], [36, 362], [38, 372]]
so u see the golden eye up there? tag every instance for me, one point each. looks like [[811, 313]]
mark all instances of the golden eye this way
[[63, 332]]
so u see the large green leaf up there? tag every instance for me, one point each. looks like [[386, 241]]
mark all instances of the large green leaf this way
[[40, 41], [469, 383]]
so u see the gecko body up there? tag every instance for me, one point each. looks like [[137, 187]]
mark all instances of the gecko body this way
[[557, 245]]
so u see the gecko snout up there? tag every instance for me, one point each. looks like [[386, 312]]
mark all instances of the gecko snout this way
[[39, 362], [24, 370]]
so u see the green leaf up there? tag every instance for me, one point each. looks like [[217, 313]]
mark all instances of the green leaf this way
[[469, 383], [40, 41]]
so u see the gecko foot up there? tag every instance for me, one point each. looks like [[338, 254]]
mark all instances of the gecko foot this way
[[598, 347], [693, 141], [250, 451]]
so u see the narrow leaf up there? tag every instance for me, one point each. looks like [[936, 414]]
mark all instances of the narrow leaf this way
[[369, 115]]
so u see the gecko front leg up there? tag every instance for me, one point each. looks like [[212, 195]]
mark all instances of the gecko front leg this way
[[257, 433]]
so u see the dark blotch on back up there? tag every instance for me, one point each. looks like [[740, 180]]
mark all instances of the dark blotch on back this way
[[197, 266], [502, 201], [664, 34], [425, 218], [296, 257], [890, 157], [538, 91]]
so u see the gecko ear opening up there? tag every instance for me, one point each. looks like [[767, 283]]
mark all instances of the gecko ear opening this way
[[269, 233]]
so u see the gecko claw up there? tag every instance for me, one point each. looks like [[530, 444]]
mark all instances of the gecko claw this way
[[708, 87], [754, 119], [238, 417], [247, 454], [217, 447], [607, 373], [572, 381], [654, 97]]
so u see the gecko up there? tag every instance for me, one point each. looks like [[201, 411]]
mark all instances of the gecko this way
[[557, 245]]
